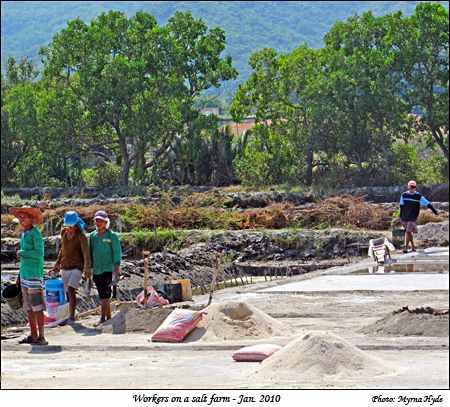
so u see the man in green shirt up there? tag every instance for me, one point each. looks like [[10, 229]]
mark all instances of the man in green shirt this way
[[31, 272], [106, 253]]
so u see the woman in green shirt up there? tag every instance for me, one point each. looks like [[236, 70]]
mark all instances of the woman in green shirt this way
[[106, 253], [31, 272]]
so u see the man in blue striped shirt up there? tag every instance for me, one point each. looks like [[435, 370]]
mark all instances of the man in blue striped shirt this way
[[410, 203]]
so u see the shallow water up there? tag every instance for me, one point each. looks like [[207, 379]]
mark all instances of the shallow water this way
[[401, 268]]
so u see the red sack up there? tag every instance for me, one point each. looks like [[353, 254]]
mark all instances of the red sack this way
[[255, 353], [177, 325]]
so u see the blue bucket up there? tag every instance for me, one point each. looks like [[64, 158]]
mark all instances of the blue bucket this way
[[54, 292]]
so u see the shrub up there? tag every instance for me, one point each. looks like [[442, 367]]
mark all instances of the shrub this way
[[12, 200], [105, 175]]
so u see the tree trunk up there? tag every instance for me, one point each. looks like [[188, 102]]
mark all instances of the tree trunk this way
[[309, 167], [385, 151], [125, 174], [141, 157], [5, 173], [439, 137]]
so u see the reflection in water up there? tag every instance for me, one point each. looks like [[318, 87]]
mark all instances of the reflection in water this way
[[418, 267], [377, 270], [410, 267]]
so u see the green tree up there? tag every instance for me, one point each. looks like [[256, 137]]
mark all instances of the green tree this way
[[136, 80], [19, 120], [280, 92], [366, 89], [423, 43], [102, 64]]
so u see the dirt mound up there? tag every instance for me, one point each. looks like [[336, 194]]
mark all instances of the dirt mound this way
[[132, 319], [405, 322], [234, 321], [317, 355], [432, 234]]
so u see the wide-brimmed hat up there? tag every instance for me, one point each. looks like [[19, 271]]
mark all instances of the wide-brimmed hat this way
[[35, 213]]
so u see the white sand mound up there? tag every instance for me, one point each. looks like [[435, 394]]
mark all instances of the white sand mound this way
[[234, 321], [416, 322], [317, 355]]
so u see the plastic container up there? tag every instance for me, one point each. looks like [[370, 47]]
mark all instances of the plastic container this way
[[398, 237], [13, 296], [54, 292], [186, 291]]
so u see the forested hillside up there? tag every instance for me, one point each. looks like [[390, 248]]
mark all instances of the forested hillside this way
[[248, 25]]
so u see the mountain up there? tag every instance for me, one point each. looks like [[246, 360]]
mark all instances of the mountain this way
[[249, 25]]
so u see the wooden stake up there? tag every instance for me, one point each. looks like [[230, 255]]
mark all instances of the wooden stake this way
[[214, 278], [145, 255]]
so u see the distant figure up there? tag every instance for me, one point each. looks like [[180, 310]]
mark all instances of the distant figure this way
[[73, 258], [106, 253], [410, 202], [31, 272]]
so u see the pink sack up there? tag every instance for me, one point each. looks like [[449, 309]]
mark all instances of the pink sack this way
[[255, 353], [153, 298], [177, 325]]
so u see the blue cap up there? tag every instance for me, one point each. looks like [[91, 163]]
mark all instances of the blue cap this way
[[71, 218]]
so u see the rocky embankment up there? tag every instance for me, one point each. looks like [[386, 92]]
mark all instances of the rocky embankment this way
[[103, 196]]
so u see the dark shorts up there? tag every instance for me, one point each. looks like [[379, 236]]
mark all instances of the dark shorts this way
[[102, 282]]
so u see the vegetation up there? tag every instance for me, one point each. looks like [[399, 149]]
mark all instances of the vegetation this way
[[342, 114], [118, 102]]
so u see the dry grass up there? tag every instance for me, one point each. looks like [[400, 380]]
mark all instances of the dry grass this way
[[87, 213], [206, 211], [10, 226], [275, 216], [344, 211], [426, 216]]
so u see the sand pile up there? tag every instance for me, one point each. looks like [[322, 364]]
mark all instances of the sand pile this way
[[405, 322], [132, 319], [234, 321], [317, 355]]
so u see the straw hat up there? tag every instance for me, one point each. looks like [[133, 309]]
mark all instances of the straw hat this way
[[35, 213]]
